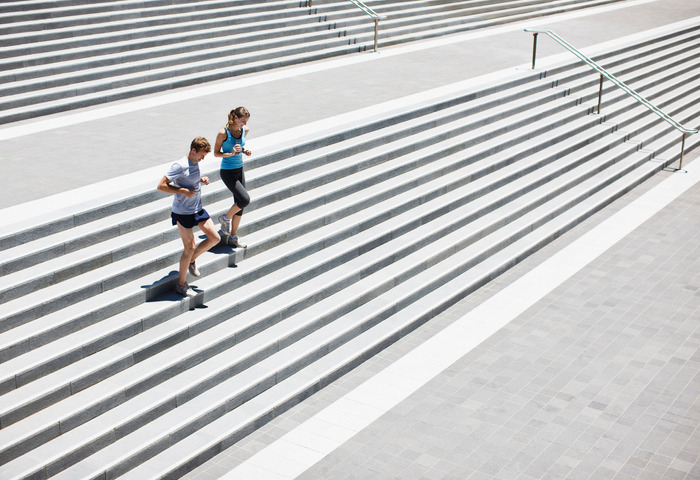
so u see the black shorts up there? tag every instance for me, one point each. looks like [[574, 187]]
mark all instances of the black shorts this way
[[190, 221]]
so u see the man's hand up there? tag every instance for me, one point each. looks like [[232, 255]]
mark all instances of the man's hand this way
[[205, 180]]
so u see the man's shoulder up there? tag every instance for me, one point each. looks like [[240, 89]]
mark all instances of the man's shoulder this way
[[177, 168]]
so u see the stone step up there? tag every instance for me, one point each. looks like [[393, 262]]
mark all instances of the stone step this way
[[101, 75], [437, 21], [183, 454], [384, 172], [475, 207], [19, 344], [262, 180], [82, 77], [220, 372], [503, 163], [72, 54], [13, 288]]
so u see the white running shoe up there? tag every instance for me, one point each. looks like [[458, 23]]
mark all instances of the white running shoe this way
[[194, 270]]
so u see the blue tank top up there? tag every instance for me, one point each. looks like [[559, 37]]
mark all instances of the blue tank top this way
[[235, 161]]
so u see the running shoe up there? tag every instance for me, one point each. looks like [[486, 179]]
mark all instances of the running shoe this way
[[194, 270], [225, 224], [185, 290], [234, 241]]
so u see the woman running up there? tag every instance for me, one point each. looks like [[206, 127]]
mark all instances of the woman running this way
[[230, 147]]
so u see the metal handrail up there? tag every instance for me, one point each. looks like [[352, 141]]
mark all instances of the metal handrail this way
[[375, 16], [612, 78], [367, 10]]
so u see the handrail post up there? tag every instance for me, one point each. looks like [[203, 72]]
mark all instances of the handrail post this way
[[376, 33], [600, 92], [534, 49], [680, 165]]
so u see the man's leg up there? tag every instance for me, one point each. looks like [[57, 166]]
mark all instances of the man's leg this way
[[213, 238], [187, 236]]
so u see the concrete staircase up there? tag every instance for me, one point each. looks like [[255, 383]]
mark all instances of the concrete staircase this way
[[356, 236], [61, 55]]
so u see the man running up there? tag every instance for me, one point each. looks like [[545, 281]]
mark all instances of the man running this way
[[183, 180]]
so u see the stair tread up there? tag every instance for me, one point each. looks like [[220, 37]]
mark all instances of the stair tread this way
[[215, 333], [225, 387]]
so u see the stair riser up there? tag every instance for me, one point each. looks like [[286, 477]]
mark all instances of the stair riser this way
[[59, 50], [588, 89], [138, 29], [408, 32]]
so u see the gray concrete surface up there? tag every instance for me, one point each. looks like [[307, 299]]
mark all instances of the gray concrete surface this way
[[54, 155]]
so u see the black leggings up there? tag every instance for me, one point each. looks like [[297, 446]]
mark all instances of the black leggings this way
[[235, 181]]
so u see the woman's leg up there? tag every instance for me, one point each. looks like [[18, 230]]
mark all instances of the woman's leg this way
[[231, 212], [235, 222]]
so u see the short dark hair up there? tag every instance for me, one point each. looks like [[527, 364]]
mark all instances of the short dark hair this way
[[200, 143]]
